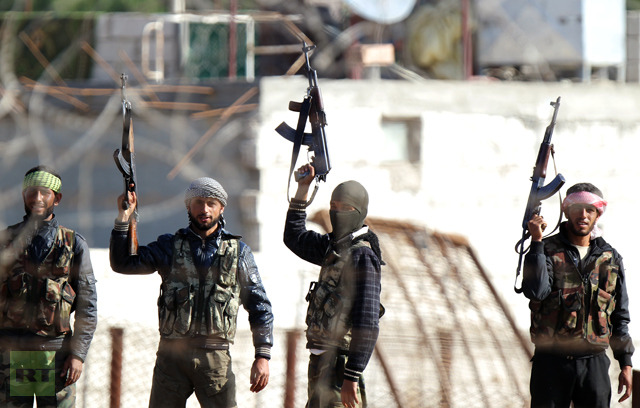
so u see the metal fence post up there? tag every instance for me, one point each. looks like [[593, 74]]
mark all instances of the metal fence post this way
[[635, 389], [290, 382], [117, 334]]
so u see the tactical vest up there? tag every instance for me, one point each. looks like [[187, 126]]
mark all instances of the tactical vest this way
[[579, 307], [38, 297], [190, 306], [331, 300]]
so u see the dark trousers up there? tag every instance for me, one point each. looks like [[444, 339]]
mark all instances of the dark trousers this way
[[325, 376], [556, 381]]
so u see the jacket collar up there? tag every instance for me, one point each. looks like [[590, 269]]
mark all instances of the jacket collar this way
[[37, 236], [53, 222], [218, 235], [30, 228]]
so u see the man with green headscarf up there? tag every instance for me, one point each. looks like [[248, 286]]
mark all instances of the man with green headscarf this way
[[45, 276], [344, 304]]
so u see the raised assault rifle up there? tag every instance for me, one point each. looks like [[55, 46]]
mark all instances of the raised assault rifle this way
[[539, 191], [310, 108], [125, 161]]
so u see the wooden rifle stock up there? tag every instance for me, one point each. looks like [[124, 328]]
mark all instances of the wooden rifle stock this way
[[133, 236], [131, 185], [540, 171], [316, 115]]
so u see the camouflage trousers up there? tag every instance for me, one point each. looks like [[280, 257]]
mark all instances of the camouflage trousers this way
[[325, 377], [25, 375]]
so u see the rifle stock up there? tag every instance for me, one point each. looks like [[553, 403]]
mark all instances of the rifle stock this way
[[133, 236]]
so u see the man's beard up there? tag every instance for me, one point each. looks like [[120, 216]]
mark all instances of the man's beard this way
[[577, 233], [37, 217], [200, 226]]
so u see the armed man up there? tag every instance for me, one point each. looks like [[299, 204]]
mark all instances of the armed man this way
[[344, 305], [206, 272], [576, 285], [45, 277]]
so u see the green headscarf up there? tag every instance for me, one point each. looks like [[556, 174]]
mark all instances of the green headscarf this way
[[42, 178]]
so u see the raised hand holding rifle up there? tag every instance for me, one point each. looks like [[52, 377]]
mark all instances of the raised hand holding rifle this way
[[125, 161], [311, 108], [533, 223], [306, 174]]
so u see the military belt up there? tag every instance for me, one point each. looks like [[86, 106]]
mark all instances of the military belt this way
[[193, 342], [568, 356], [30, 343]]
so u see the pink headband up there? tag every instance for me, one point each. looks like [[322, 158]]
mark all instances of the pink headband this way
[[584, 197]]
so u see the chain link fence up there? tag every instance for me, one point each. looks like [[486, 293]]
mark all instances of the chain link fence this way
[[138, 359]]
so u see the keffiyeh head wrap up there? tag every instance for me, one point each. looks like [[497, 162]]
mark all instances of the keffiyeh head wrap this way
[[205, 187], [585, 197], [42, 178]]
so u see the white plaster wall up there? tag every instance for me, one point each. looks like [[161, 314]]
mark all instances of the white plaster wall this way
[[479, 146]]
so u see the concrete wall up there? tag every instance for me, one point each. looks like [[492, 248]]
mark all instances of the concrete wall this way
[[478, 148]]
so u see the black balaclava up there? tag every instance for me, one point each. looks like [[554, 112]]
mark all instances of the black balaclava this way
[[345, 222]]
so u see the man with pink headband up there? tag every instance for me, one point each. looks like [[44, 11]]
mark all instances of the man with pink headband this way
[[579, 305]]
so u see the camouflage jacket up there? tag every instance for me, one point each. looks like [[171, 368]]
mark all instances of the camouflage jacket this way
[[46, 276], [204, 255], [577, 306], [194, 303]]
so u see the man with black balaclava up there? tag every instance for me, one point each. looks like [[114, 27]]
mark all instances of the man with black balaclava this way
[[344, 304]]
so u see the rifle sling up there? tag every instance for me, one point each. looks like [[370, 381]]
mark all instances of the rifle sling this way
[[305, 107]]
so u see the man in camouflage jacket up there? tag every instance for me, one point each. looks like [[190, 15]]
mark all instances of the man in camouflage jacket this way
[[579, 307], [45, 276], [206, 274]]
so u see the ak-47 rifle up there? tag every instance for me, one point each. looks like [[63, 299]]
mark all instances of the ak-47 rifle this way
[[310, 108], [125, 161], [539, 191]]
